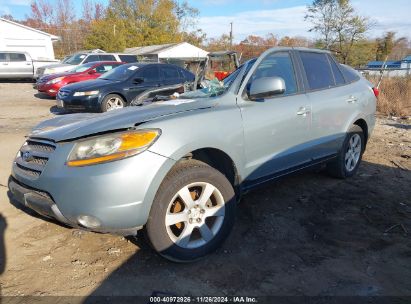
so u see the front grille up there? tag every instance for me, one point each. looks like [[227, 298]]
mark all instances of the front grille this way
[[40, 71], [33, 157]]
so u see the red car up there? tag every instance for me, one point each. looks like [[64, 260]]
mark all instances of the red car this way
[[51, 84]]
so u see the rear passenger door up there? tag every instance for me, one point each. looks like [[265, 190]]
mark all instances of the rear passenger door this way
[[277, 129], [329, 98]]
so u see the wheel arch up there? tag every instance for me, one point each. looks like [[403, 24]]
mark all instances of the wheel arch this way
[[114, 93], [219, 160], [364, 126]]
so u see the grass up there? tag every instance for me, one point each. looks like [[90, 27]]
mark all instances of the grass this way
[[395, 96]]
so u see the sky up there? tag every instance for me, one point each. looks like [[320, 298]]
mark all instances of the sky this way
[[261, 17]]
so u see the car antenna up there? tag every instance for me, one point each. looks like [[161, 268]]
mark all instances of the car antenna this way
[[383, 67]]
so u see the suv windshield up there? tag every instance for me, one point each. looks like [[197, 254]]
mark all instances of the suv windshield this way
[[75, 59], [121, 73], [215, 87]]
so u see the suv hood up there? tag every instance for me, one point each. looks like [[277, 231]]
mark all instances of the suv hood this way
[[74, 126]]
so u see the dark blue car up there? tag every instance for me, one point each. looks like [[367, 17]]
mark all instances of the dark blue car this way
[[125, 85]]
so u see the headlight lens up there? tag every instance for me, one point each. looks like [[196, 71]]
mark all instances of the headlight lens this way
[[88, 93], [55, 80], [111, 147]]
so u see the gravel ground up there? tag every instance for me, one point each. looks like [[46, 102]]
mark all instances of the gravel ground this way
[[308, 234]]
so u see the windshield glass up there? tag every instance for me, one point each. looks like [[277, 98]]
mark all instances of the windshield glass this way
[[75, 59], [215, 88], [120, 73], [82, 68]]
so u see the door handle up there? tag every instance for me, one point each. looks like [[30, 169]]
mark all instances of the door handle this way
[[303, 111], [352, 99], [28, 63]]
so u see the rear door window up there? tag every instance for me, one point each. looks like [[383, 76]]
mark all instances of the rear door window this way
[[170, 73], [151, 74], [107, 58], [338, 76], [318, 70], [3, 57], [278, 64], [128, 58], [17, 57]]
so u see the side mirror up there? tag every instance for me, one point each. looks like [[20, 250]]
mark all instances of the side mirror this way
[[138, 80], [266, 87], [91, 72]]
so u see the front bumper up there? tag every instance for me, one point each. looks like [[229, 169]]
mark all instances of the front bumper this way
[[81, 103], [119, 194], [49, 89]]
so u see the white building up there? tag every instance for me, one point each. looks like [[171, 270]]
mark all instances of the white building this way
[[177, 53], [18, 37]]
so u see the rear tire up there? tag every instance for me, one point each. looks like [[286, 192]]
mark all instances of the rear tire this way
[[192, 213], [112, 102], [350, 155]]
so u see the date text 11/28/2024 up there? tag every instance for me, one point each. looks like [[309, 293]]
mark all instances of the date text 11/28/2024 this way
[[203, 299]]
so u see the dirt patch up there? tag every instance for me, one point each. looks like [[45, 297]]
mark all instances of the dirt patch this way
[[308, 234]]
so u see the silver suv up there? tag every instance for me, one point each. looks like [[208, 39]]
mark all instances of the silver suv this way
[[178, 167], [77, 59]]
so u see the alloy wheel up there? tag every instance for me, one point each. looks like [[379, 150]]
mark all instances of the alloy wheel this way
[[195, 215], [353, 154]]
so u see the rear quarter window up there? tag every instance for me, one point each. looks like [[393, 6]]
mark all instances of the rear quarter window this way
[[318, 70], [128, 58], [349, 73], [187, 75], [3, 57], [338, 76]]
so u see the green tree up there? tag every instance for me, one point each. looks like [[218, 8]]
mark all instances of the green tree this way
[[108, 34], [145, 22], [339, 26]]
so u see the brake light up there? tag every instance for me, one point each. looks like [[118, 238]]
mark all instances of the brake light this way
[[376, 92]]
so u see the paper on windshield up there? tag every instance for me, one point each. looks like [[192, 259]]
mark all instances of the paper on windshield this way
[[133, 67]]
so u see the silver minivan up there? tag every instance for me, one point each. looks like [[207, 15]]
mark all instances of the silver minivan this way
[[178, 166]]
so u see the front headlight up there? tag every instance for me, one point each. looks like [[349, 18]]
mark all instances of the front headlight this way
[[88, 93], [55, 80], [111, 147], [48, 71]]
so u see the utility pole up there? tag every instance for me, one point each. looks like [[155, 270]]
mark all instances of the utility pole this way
[[231, 35]]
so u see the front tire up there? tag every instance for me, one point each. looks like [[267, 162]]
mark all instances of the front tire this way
[[192, 213], [350, 156], [112, 102]]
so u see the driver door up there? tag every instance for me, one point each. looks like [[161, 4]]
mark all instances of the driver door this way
[[276, 129]]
